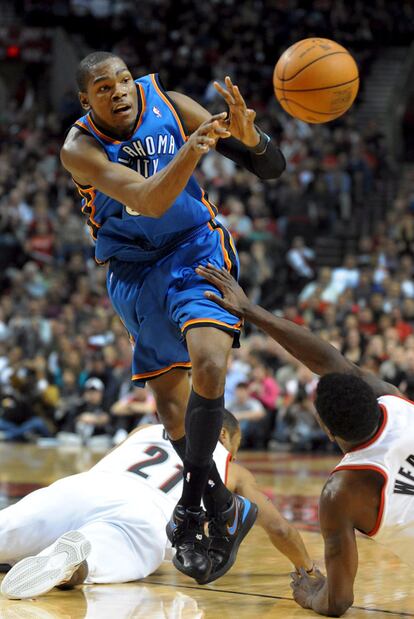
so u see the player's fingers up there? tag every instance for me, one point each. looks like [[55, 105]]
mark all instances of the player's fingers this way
[[222, 273], [210, 277], [213, 297], [206, 139], [238, 98], [224, 93], [251, 115], [219, 274]]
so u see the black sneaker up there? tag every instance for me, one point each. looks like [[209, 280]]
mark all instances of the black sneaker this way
[[185, 531], [227, 531]]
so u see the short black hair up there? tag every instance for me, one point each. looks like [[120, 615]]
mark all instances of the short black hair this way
[[242, 385], [230, 423], [347, 406], [89, 62]]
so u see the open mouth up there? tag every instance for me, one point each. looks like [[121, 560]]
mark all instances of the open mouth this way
[[122, 109]]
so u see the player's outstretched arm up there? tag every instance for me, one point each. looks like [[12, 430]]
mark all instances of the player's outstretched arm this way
[[249, 147], [335, 594], [317, 354], [153, 196], [284, 537]]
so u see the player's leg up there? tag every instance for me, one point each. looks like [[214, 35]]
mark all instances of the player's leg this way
[[38, 519], [54, 566], [210, 332]]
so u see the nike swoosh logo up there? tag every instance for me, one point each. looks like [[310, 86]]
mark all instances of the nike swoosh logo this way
[[233, 527]]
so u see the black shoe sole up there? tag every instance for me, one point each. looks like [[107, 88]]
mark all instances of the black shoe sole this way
[[179, 567], [247, 525]]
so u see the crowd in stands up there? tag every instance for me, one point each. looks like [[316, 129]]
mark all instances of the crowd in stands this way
[[65, 356]]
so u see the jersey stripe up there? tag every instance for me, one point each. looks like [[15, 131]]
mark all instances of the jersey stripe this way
[[164, 98], [195, 321], [180, 364]]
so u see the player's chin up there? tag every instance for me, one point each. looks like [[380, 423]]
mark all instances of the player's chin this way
[[124, 116]]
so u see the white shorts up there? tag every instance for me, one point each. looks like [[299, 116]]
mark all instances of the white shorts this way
[[123, 517]]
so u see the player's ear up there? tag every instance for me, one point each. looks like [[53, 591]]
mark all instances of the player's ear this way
[[84, 101]]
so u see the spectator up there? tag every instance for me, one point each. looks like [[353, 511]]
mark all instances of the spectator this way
[[133, 409], [90, 419], [249, 412]]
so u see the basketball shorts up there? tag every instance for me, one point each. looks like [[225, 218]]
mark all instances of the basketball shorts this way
[[159, 302]]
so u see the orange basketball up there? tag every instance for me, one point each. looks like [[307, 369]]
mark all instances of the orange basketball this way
[[316, 80]]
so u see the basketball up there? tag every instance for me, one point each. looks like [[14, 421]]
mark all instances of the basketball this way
[[316, 80]]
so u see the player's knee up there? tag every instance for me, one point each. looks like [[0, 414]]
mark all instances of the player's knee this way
[[171, 413], [209, 375]]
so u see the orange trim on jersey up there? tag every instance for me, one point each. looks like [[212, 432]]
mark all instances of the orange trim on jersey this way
[[226, 469], [83, 125], [164, 98], [99, 132], [89, 203], [195, 321], [369, 467], [226, 256], [377, 433], [183, 364], [207, 204], [223, 246]]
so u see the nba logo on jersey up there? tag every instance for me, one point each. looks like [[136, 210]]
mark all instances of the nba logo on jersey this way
[[156, 112]]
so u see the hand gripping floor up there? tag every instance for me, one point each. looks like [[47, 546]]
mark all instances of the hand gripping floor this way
[[37, 575]]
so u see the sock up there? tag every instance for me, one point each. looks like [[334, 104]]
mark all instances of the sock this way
[[203, 423], [216, 496]]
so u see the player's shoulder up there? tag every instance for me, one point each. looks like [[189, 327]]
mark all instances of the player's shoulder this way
[[338, 489]]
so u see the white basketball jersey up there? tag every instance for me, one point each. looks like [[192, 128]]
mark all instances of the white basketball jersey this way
[[391, 453], [149, 455]]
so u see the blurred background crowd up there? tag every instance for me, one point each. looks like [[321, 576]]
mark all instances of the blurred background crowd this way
[[330, 245]]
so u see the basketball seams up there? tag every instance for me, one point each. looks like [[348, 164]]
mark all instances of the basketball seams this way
[[292, 48], [313, 62], [315, 89]]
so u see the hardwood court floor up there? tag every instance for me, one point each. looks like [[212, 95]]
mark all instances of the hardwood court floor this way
[[257, 586]]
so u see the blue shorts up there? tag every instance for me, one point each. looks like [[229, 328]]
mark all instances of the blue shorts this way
[[158, 302]]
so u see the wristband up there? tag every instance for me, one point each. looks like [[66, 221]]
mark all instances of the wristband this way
[[261, 147]]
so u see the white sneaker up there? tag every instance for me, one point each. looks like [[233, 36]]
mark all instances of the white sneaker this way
[[37, 575]]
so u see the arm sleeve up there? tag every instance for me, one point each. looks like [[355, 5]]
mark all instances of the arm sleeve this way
[[268, 165]]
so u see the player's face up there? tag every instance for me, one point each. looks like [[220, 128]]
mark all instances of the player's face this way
[[112, 96]]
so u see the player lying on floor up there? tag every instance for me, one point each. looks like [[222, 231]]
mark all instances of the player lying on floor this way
[[372, 489], [114, 515]]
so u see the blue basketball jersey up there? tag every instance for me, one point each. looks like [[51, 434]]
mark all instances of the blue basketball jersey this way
[[158, 134]]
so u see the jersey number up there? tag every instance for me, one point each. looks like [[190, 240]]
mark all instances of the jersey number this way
[[158, 455]]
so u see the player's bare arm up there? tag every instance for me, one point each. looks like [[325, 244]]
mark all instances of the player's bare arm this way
[[248, 147], [89, 165], [284, 537], [318, 355], [334, 595]]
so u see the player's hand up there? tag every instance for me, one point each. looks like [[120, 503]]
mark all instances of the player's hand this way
[[234, 300], [241, 118], [305, 586], [208, 133]]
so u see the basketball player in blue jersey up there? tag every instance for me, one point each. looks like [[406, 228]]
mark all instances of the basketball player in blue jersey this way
[[132, 156]]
